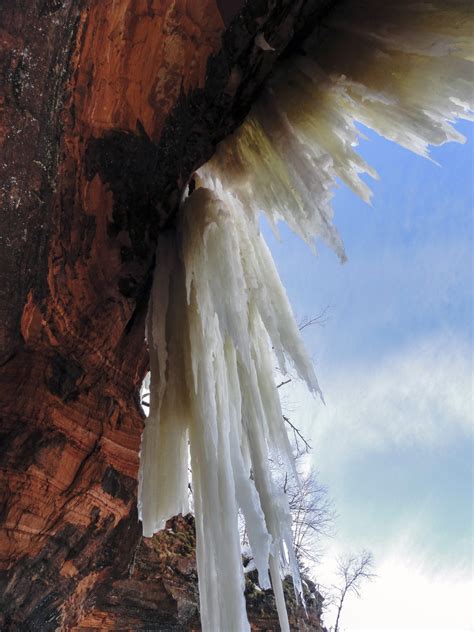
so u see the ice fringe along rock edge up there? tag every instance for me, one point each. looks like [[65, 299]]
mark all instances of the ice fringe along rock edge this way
[[217, 305]]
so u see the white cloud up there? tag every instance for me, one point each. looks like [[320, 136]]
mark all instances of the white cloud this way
[[420, 395], [406, 596]]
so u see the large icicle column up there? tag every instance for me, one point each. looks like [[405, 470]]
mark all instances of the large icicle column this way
[[219, 315], [218, 308]]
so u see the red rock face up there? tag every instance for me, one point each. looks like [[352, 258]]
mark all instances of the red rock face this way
[[161, 591], [137, 58], [109, 106]]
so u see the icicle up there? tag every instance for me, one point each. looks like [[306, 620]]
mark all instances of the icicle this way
[[218, 313], [402, 68], [217, 309], [164, 451], [231, 322]]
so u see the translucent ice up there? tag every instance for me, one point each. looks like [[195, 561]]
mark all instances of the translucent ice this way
[[219, 317], [217, 310]]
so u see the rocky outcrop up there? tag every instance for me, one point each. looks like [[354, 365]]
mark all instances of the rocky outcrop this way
[[160, 591], [109, 106]]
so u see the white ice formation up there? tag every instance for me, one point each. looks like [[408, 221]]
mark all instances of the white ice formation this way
[[217, 309], [219, 315]]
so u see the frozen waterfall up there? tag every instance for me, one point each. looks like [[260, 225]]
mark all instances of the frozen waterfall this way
[[219, 317]]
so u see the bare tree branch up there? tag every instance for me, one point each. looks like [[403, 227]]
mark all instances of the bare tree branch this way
[[321, 319], [298, 435], [353, 570]]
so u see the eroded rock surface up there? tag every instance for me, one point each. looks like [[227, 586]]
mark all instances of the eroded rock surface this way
[[160, 592], [108, 108]]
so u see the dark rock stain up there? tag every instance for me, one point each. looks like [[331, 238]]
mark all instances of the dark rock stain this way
[[118, 485], [63, 377]]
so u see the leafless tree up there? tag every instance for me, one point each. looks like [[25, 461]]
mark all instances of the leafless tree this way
[[312, 513], [311, 508], [352, 571], [313, 516]]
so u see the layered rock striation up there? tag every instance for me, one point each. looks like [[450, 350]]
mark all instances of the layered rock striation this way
[[108, 108]]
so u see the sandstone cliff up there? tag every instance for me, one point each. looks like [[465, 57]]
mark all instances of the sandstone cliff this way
[[108, 108]]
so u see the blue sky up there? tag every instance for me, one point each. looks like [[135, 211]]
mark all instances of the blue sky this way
[[394, 360]]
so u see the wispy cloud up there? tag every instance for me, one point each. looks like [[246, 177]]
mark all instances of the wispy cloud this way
[[406, 595], [419, 395]]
